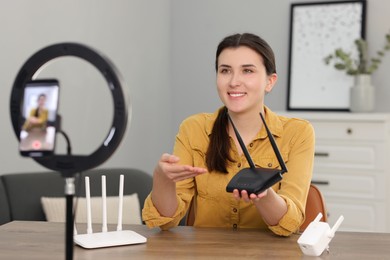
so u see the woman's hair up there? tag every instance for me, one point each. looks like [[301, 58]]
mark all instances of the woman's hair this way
[[251, 41], [218, 153]]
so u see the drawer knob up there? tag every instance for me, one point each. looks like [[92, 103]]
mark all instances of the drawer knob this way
[[318, 182], [349, 131], [321, 154]]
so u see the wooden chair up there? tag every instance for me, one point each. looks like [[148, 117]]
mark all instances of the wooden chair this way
[[315, 204]]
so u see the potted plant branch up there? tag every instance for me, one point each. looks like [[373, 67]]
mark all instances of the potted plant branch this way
[[362, 65], [362, 93]]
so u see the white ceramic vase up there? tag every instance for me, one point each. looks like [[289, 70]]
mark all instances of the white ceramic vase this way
[[362, 94]]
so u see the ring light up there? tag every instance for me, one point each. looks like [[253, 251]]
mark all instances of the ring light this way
[[70, 164]]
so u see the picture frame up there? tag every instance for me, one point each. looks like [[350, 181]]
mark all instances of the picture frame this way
[[317, 30]]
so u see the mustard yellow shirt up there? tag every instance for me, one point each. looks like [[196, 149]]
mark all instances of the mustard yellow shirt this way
[[217, 208], [43, 115]]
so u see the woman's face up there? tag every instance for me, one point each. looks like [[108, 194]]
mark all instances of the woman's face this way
[[242, 80], [41, 101]]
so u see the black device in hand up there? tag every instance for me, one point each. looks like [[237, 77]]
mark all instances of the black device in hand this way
[[256, 179]]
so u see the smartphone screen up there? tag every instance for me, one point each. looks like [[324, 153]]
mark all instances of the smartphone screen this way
[[39, 115]]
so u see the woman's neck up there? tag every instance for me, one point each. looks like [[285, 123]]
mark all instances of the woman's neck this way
[[246, 121], [248, 125]]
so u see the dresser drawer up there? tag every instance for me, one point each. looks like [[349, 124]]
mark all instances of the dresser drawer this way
[[359, 217], [375, 131], [349, 185], [352, 156]]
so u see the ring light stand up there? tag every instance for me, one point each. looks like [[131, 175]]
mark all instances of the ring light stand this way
[[68, 165]]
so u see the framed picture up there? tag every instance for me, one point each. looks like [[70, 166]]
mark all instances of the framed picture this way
[[316, 30]]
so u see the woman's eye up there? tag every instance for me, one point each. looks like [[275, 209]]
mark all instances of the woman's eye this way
[[224, 71], [248, 71]]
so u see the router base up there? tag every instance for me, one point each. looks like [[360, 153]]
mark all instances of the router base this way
[[109, 239]]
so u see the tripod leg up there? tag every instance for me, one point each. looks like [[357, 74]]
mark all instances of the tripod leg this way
[[69, 193]]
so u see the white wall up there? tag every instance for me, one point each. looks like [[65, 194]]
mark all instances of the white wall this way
[[165, 51], [134, 34], [198, 26]]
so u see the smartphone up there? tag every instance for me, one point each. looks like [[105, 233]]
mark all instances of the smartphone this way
[[39, 118]]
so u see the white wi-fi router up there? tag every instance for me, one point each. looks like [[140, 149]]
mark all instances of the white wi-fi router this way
[[106, 238], [317, 236]]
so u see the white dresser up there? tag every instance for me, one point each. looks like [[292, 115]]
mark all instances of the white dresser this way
[[352, 167]]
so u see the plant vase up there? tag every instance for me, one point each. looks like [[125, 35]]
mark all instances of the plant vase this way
[[362, 94]]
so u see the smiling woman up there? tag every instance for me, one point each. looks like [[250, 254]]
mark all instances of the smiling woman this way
[[207, 154]]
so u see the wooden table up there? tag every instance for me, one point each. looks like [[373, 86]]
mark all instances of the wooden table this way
[[43, 240]]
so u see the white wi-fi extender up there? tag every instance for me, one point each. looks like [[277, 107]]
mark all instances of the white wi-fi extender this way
[[316, 237], [106, 238]]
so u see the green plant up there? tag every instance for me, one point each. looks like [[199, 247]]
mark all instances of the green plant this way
[[362, 64]]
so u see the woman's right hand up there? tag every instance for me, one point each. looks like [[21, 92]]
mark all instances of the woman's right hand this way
[[167, 172], [169, 168]]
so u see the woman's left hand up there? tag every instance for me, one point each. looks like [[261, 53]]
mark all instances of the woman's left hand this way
[[248, 197]]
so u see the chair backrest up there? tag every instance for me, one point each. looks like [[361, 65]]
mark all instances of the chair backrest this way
[[24, 191], [5, 215], [314, 205], [190, 218]]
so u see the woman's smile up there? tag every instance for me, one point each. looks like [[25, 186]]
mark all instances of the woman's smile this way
[[236, 94]]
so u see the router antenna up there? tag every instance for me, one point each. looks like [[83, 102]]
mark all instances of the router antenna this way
[[274, 146], [104, 206], [120, 206], [318, 218], [336, 226], [88, 198]]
